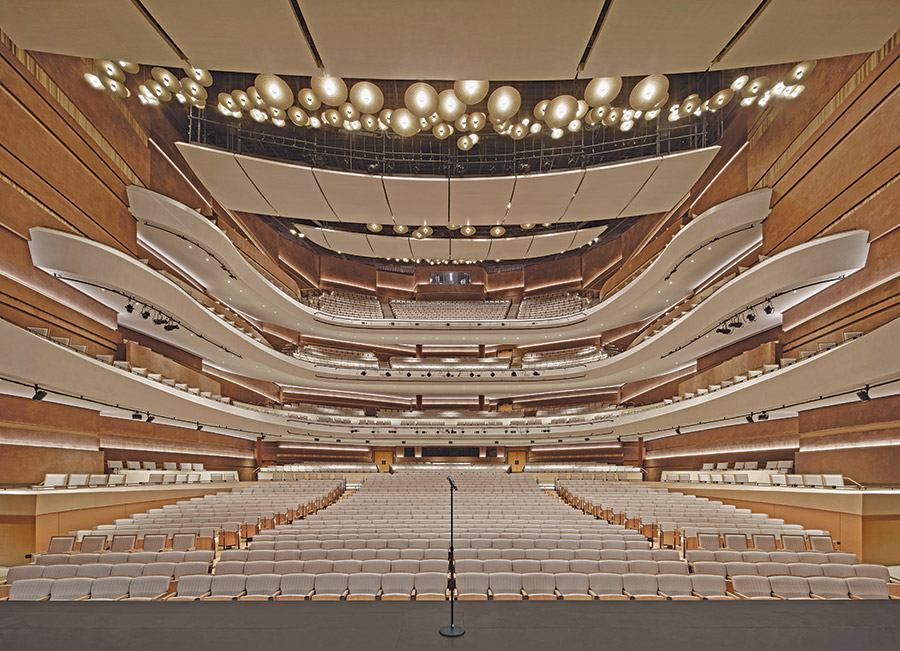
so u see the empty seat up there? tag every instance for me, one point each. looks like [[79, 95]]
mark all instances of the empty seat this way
[[826, 587], [148, 588], [93, 543], [397, 586], [606, 586], [192, 567], [865, 587], [19, 572], [127, 569], [573, 586], [505, 586], [363, 586], [472, 586], [261, 587], [94, 570], [539, 586], [677, 587], [155, 542], [36, 589], [110, 588], [159, 569], [61, 544], [296, 587], [641, 586], [875, 571], [331, 586], [752, 587], [709, 586], [74, 588], [228, 587], [431, 586]]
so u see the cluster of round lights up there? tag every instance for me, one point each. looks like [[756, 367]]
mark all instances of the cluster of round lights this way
[[435, 260], [426, 231], [329, 102]]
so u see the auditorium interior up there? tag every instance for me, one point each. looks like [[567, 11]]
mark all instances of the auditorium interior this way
[[463, 303]]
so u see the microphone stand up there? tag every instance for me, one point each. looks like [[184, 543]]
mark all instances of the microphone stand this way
[[452, 630]]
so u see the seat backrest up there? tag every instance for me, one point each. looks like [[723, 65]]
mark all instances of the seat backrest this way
[[35, 589], [752, 586], [61, 544], [93, 543], [70, 588], [674, 585], [505, 583], [110, 587], [539, 583], [708, 585], [297, 584], [640, 584], [863, 587], [397, 583], [571, 583], [263, 585], [790, 587], [365, 583], [228, 585], [603, 583]]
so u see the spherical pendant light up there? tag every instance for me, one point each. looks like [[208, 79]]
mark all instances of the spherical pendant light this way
[[274, 91], [163, 94], [535, 127], [167, 79], [518, 132], [225, 99], [612, 116], [574, 126], [258, 116], [462, 123], [298, 116], [504, 102], [442, 131], [800, 71], [540, 109], [332, 117], [602, 90], [450, 106], [426, 230], [424, 125], [193, 90], [308, 100], [467, 230], [421, 99], [118, 88], [112, 70], [369, 122], [470, 91], [385, 116], [720, 99], [649, 92], [240, 98], [256, 99], [583, 108], [596, 114], [201, 76], [561, 111], [404, 123], [464, 143], [740, 82], [756, 87], [690, 104], [348, 111], [366, 97], [331, 91], [276, 113], [476, 121]]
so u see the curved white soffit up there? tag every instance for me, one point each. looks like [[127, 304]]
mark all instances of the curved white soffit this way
[[268, 187], [36, 360], [82, 259], [164, 222]]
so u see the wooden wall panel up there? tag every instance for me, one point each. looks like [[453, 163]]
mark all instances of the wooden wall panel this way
[[27, 465]]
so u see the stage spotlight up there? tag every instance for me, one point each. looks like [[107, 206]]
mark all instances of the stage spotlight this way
[[145, 313], [159, 319], [199, 427], [150, 417], [763, 416], [769, 308], [749, 418], [136, 416], [864, 394], [129, 306], [750, 317], [39, 394], [678, 429]]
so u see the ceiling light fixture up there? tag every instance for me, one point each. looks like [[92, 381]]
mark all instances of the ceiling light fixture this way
[[504, 102], [331, 91], [471, 91], [39, 393], [421, 99], [366, 97], [864, 394], [602, 90]]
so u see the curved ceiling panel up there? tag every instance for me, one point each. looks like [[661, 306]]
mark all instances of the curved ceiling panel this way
[[258, 36], [291, 190], [550, 244], [418, 201], [542, 198], [606, 191], [385, 246], [681, 36], [480, 201], [461, 249], [586, 235], [430, 248], [355, 198], [510, 248], [352, 243], [671, 180], [220, 172]]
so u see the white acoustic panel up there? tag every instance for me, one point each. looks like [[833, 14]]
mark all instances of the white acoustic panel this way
[[789, 31], [674, 177], [466, 249], [586, 236], [542, 198], [550, 244], [355, 198], [352, 243], [509, 248], [431, 248], [480, 201], [290, 189], [678, 36], [606, 191], [417, 201], [259, 36], [313, 234], [220, 172], [466, 39], [96, 29], [385, 246]]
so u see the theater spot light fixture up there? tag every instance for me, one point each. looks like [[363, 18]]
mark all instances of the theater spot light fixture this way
[[749, 417], [137, 416], [145, 313], [129, 306], [678, 429], [769, 308], [864, 394], [39, 393], [763, 416], [150, 417], [199, 427]]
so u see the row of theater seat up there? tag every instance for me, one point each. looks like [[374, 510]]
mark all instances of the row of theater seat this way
[[441, 552], [433, 585], [112, 558]]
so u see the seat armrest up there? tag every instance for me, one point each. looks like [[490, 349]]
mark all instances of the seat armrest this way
[[778, 596], [592, 593], [627, 594], [663, 594], [740, 596], [345, 593], [84, 598], [815, 596]]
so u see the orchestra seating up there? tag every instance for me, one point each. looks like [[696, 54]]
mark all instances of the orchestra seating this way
[[547, 306], [357, 306], [453, 310]]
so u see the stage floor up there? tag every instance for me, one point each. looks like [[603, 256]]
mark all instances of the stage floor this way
[[523, 626]]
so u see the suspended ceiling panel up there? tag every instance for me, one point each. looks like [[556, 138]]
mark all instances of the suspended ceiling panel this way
[[466, 39], [290, 189], [542, 198], [671, 180], [606, 191], [96, 29], [314, 235], [675, 36], [510, 248], [436, 249], [789, 31], [480, 201], [461, 249], [352, 243], [220, 172], [355, 198], [259, 36], [585, 235], [417, 201], [385, 246], [550, 244]]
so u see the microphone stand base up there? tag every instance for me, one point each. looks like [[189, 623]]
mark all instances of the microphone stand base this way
[[452, 630]]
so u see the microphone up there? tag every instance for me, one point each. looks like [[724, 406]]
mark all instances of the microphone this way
[[453, 485]]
